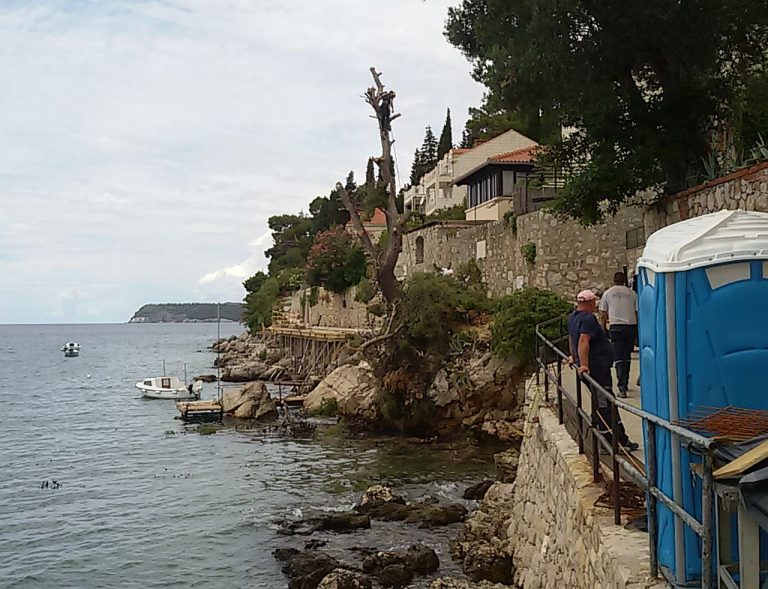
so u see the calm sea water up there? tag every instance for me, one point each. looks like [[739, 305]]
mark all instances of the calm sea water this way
[[145, 501]]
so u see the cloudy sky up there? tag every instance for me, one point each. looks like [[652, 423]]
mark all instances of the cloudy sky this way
[[144, 143]]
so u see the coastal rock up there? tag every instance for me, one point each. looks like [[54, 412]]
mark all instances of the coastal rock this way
[[341, 522], [478, 490], [488, 563], [448, 583], [344, 579], [503, 430], [426, 514], [306, 569], [481, 547], [355, 389], [506, 465], [250, 402], [395, 575], [206, 377], [376, 496], [245, 372]]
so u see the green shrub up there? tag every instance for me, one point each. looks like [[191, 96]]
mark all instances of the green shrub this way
[[290, 279], [430, 311], [510, 219], [335, 261], [366, 290], [454, 213], [207, 430], [529, 252], [259, 304], [313, 295], [468, 273], [377, 309], [328, 407], [515, 319]]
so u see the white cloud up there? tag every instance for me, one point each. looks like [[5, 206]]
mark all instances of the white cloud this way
[[144, 143]]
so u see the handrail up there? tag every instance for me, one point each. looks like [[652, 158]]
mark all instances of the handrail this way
[[620, 465]]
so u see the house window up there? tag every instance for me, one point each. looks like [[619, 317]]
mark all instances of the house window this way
[[419, 249], [635, 238]]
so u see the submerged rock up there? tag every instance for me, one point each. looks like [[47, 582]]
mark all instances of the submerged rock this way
[[395, 575]]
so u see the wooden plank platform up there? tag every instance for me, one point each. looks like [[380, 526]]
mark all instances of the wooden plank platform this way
[[200, 410]]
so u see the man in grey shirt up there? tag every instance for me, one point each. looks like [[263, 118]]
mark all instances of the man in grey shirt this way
[[618, 315]]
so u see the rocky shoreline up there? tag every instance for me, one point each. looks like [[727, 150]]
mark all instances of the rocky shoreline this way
[[475, 394]]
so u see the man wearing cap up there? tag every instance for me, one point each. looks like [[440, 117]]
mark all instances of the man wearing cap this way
[[592, 353], [618, 311]]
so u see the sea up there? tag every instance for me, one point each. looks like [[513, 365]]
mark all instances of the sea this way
[[101, 488]]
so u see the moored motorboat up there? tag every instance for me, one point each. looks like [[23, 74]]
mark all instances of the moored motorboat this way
[[169, 387], [71, 349]]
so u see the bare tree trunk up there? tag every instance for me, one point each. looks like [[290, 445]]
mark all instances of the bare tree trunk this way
[[381, 101]]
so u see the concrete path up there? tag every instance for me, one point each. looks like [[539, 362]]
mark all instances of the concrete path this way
[[632, 423]]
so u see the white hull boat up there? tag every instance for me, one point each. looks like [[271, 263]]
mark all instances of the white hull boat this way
[[169, 387], [71, 349]]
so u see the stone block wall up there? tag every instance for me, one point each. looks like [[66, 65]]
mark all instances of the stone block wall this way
[[331, 310], [569, 257], [557, 536], [745, 189]]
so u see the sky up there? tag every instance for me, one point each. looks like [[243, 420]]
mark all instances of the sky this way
[[145, 143]]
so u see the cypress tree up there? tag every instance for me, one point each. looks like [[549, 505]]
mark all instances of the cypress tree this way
[[429, 150], [416, 168], [370, 175], [351, 185], [446, 137]]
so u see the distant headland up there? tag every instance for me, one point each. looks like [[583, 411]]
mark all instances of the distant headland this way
[[187, 313]]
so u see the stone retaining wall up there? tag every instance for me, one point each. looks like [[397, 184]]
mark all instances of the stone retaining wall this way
[[557, 536]]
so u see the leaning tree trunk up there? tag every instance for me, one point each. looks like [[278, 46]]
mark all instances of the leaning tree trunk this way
[[381, 101]]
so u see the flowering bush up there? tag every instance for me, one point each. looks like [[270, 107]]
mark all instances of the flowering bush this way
[[335, 261]]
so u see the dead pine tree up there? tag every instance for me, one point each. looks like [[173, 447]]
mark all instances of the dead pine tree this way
[[384, 261]]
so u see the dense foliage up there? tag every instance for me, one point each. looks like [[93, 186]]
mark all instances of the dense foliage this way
[[294, 236], [445, 143], [189, 311], [516, 317], [425, 158], [336, 261], [641, 84]]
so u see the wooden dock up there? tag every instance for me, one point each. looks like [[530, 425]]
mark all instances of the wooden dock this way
[[209, 410]]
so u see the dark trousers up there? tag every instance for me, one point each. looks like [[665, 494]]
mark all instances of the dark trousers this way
[[602, 374], [623, 341]]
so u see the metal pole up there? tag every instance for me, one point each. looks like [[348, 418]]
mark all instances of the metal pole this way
[[652, 517], [595, 451], [706, 523], [559, 390], [546, 377], [615, 464], [579, 422]]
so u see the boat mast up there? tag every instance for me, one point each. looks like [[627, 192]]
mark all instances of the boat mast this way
[[218, 349]]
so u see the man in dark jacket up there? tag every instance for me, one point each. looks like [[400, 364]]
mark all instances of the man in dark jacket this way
[[591, 352]]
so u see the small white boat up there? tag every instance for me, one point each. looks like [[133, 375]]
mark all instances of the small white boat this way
[[71, 349], [169, 387]]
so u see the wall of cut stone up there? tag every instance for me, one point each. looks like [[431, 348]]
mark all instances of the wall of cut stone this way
[[570, 257], [745, 189], [557, 536], [331, 309]]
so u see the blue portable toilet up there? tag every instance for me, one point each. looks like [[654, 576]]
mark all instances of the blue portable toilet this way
[[703, 331]]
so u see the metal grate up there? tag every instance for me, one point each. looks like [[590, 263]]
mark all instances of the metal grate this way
[[731, 423]]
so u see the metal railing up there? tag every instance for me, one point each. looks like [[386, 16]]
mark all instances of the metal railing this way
[[550, 359]]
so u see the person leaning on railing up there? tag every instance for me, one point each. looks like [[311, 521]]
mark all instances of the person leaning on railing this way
[[592, 354]]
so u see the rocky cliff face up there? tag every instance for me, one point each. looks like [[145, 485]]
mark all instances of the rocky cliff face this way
[[474, 391]]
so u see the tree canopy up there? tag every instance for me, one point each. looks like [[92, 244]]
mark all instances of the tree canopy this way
[[641, 85], [445, 143]]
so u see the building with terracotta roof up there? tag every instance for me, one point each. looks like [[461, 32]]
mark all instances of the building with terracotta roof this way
[[505, 182], [438, 189]]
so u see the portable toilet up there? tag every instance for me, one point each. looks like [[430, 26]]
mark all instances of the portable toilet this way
[[703, 335]]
